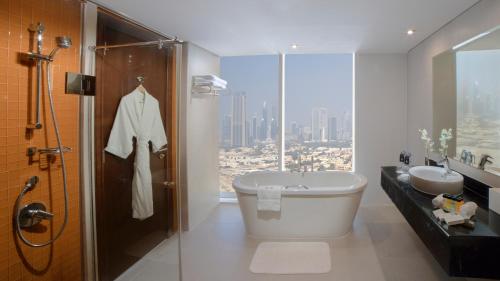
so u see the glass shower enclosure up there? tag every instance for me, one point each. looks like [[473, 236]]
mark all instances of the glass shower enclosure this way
[[127, 247]]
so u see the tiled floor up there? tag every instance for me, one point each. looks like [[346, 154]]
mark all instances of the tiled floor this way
[[382, 246]]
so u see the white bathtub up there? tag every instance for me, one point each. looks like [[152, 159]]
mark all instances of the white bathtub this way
[[325, 210]]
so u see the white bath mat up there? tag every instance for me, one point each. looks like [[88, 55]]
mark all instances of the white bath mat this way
[[291, 258]]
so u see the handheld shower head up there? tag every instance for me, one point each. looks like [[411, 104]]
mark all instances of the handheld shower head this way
[[63, 42]]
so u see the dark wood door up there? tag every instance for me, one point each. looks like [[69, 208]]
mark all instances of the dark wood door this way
[[122, 240]]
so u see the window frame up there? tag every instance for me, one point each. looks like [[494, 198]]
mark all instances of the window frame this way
[[280, 142]]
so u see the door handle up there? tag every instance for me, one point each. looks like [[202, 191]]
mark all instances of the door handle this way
[[162, 152], [169, 183]]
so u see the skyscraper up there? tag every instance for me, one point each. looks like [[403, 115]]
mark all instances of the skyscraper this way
[[294, 129], [332, 128], [226, 130], [347, 126], [274, 128], [274, 124], [238, 132], [264, 123], [254, 129], [319, 124], [306, 133], [249, 140]]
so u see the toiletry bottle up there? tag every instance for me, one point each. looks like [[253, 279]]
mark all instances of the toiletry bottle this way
[[452, 203], [406, 166], [401, 161]]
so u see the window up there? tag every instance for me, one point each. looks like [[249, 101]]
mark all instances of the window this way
[[318, 111], [478, 104], [318, 114], [248, 117]]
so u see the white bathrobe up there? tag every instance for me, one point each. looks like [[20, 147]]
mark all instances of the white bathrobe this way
[[138, 116]]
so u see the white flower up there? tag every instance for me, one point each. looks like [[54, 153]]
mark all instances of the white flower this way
[[445, 136], [423, 134], [429, 143]]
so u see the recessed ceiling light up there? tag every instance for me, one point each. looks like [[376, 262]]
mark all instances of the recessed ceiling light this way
[[410, 31], [294, 46]]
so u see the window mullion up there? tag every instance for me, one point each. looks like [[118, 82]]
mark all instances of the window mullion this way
[[281, 118]]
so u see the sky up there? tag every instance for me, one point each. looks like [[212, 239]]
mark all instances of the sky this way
[[319, 80]]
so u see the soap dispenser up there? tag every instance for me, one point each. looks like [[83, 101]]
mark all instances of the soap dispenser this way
[[401, 161]]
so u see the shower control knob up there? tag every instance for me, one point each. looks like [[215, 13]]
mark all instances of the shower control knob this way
[[44, 215], [33, 214]]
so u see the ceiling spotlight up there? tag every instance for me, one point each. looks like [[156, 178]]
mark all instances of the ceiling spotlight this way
[[294, 46], [410, 31]]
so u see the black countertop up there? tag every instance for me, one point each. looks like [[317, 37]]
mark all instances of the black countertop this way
[[459, 250]]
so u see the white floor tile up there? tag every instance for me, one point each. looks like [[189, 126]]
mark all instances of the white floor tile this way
[[382, 246]]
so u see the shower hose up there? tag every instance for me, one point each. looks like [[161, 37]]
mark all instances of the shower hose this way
[[63, 166]]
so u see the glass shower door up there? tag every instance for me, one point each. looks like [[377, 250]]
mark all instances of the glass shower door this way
[[127, 246]]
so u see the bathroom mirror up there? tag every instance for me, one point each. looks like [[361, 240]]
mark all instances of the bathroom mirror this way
[[466, 98]]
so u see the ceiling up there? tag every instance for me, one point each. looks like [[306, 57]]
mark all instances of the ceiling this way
[[252, 27]]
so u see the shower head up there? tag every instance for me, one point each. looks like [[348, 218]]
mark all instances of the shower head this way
[[63, 42]]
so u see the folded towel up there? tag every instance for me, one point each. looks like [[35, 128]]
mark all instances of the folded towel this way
[[269, 198], [210, 79]]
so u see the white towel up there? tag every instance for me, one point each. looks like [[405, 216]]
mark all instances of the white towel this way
[[269, 198], [212, 79]]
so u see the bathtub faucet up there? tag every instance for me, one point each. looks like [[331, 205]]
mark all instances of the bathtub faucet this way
[[301, 168], [298, 168]]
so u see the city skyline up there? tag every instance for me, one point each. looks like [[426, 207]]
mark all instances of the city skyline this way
[[308, 77], [238, 132]]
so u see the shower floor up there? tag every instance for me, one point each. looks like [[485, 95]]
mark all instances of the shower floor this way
[[161, 263], [382, 246]]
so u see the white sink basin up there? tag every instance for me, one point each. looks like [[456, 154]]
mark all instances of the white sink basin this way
[[434, 180]]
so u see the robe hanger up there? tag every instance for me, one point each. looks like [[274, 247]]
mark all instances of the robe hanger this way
[[140, 87]]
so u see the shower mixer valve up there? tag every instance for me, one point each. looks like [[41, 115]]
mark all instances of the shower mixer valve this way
[[33, 214]]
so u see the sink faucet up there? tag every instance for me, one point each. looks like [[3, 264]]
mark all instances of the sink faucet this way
[[485, 159], [467, 157], [446, 165]]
